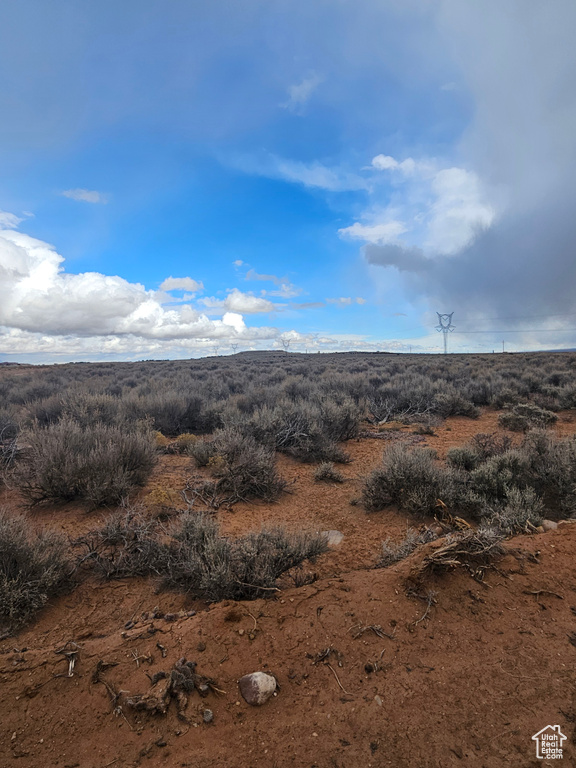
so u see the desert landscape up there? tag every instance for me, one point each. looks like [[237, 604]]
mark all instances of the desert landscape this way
[[390, 538]]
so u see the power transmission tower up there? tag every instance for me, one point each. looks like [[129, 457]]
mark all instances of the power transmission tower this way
[[445, 325], [234, 348]]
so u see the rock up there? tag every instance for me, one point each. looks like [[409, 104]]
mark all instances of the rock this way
[[333, 538], [207, 715], [549, 525], [257, 688], [540, 529]]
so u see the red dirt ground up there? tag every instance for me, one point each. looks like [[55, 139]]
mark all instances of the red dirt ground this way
[[468, 685]]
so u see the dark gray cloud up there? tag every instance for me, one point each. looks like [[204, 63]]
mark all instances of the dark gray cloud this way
[[519, 62], [404, 259]]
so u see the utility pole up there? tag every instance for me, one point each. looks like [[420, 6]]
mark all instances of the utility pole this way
[[502, 345], [446, 327]]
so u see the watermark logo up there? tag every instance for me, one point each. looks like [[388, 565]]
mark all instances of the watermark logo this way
[[549, 743]]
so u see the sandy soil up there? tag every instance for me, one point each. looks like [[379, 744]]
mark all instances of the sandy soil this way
[[466, 684]]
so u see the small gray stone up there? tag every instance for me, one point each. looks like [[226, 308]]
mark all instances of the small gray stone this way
[[207, 715], [549, 525], [257, 688], [333, 538]]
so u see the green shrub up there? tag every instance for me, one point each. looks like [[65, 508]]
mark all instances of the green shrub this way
[[33, 568], [98, 465]]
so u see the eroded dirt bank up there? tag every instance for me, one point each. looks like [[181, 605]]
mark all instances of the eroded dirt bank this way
[[364, 680]]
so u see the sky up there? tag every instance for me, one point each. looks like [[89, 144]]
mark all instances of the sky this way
[[182, 178]]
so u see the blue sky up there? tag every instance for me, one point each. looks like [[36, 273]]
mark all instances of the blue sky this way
[[177, 177]]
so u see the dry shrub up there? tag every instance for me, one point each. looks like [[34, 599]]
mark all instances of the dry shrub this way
[[486, 445], [161, 441], [525, 416], [394, 552], [201, 451], [410, 479], [327, 473], [243, 469], [208, 565], [99, 465], [475, 551], [128, 544], [194, 557], [183, 443], [522, 512], [8, 440], [510, 488], [33, 568]]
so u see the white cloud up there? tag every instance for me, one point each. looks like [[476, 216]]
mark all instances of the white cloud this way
[[459, 211], [85, 195], [346, 301], [238, 263], [384, 232], [299, 94], [9, 220], [387, 163], [285, 290], [440, 210], [253, 275], [181, 284], [45, 310], [237, 301], [343, 301], [315, 175]]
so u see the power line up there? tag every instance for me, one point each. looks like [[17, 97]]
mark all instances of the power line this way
[[525, 330]]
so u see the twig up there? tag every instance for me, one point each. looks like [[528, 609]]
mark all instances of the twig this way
[[537, 592], [255, 586], [338, 681], [431, 600], [254, 620], [376, 628]]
